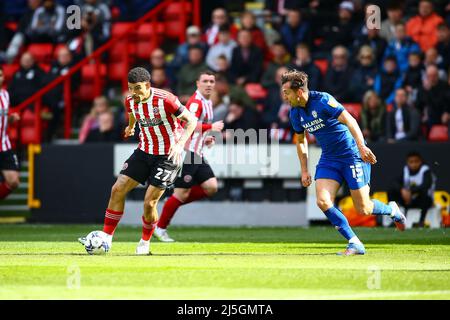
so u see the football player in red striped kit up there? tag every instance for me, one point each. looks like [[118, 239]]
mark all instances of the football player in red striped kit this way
[[197, 179], [158, 156], [9, 164]]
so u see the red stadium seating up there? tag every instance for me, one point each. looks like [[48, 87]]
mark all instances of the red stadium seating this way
[[322, 64], [89, 72], [42, 52], [149, 37], [354, 109], [255, 91], [175, 10], [174, 29], [438, 133], [9, 70]]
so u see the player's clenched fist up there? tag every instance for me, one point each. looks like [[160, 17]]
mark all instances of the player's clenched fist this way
[[129, 131], [367, 155], [306, 179]]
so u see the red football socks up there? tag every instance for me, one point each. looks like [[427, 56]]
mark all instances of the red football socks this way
[[112, 218], [169, 209], [196, 193], [147, 229]]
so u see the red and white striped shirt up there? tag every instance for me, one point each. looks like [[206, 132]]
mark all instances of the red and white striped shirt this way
[[158, 122], [202, 109], [5, 144]]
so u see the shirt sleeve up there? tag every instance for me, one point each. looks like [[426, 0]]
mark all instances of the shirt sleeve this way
[[195, 107], [127, 104], [332, 107], [294, 117], [173, 105]]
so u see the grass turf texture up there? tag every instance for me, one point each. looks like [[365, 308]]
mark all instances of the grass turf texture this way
[[41, 262]]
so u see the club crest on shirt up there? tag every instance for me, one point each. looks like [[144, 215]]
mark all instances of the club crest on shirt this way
[[187, 178], [156, 110], [314, 113]]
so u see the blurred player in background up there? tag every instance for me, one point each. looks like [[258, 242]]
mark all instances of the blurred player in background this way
[[197, 179], [345, 156], [9, 164], [158, 156]]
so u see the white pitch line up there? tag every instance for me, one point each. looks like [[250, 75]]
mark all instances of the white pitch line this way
[[384, 294]]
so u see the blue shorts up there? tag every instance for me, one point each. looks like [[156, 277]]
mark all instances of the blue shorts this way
[[355, 172]]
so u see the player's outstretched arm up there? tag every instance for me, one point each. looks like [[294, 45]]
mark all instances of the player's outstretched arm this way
[[366, 154], [302, 152], [129, 130], [177, 148]]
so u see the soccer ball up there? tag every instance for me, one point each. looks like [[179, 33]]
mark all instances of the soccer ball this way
[[96, 243]]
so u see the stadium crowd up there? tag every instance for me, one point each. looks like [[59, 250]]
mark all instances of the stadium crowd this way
[[399, 73]]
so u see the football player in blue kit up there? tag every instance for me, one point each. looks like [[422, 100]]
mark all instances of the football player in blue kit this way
[[345, 156]]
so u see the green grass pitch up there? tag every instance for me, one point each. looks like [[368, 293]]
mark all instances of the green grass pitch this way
[[46, 262]]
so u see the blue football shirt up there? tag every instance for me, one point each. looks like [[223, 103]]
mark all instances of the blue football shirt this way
[[319, 117]]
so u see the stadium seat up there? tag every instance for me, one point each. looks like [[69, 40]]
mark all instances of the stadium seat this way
[[438, 133], [116, 51], [322, 64], [255, 91], [149, 37], [9, 70], [354, 109], [89, 72], [42, 52], [174, 29], [28, 135], [116, 71], [175, 10]]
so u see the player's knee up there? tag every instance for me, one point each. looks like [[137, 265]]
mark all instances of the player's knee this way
[[211, 190], [118, 190], [151, 204], [13, 183], [324, 204]]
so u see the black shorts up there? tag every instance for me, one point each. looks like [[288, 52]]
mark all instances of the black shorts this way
[[9, 161], [157, 170], [195, 171]]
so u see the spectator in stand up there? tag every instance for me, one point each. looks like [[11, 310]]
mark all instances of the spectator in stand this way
[[26, 81], [432, 58], [22, 35], [159, 79], [423, 27], [364, 74], [248, 22], [412, 78], [223, 67], [219, 18], [395, 16], [240, 117], [373, 117], [48, 23], [227, 92], [224, 47], [273, 101], [415, 187], [433, 98], [372, 39], [106, 131], [403, 122], [401, 47], [443, 45], [55, 98], [295, 30], [95, 25], [303, 62], [189, 73], [90, 121], [247, 60], [193, 38], [339, 32], [388, 80], [280, 58], [339, 75], [158, 61]]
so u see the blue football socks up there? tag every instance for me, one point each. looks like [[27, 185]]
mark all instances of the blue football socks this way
[[338, 219], [379, 208]]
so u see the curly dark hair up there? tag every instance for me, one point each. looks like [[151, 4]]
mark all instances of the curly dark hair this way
[[298, 79], [138, 74]]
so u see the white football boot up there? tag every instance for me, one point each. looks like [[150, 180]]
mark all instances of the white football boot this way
[[143, 248], [162, 235]]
